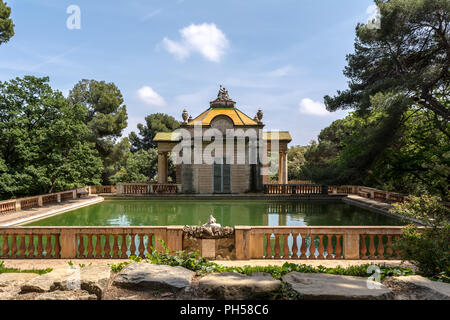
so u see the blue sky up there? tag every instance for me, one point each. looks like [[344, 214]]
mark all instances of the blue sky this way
[[281, 56]]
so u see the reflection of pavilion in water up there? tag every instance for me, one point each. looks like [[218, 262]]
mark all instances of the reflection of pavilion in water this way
[[289, 209], [226, 213]]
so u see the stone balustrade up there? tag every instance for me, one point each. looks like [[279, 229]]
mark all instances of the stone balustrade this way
[[147, 188], [13, 205], [295, 189], [316, 242], [86, 242], [348, 242]]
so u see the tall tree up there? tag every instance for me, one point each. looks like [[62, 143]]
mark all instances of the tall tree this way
[[106, 119], [156, 122], [45, 144], [408, 55], [6, 24]]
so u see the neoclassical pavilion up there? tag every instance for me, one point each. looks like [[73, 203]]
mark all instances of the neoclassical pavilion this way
[[222, 150]]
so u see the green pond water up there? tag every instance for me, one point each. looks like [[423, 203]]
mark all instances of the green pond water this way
[[227, 213]]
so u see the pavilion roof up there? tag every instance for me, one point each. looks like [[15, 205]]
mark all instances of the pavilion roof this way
[[237, 116]]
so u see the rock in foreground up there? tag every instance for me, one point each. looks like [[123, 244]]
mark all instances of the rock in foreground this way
[[147, 276], [234, 286], [316, 286], [418, 288]]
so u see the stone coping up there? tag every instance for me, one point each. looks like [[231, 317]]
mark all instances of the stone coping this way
[[376, 206]]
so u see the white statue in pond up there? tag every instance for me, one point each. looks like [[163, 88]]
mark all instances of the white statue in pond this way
[[211, 222]]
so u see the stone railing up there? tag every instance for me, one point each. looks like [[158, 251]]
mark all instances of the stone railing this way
[[305, 189], [329, 242], [102, 189], [284, 189], [242, 243], [86, 242], [9, 206], [147, 188]]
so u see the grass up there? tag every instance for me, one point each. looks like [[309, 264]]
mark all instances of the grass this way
[[4, 269]]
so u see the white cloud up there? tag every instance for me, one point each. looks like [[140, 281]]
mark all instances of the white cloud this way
[[149, 96], [280, 72], [315, 108], [205, 39]]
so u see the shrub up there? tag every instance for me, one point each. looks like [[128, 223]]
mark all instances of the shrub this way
[[428, 249]]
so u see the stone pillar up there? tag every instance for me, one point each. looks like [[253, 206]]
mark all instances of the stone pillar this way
[[40, 201], [68, 244], [351, 246], [162, 167], [282, 168]]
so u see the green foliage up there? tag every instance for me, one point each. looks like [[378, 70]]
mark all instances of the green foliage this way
[[106, 117], [427, 209], [407, 55], [428, 249], [296, 161], [192, 261], [139, 167], [397, 137], [156, 122], [45, 142], [406, 152], [6, 24], [4, 269]]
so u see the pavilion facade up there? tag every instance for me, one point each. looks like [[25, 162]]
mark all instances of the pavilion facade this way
[[222, 150]]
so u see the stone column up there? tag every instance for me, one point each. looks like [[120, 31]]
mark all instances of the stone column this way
[[162, 167], [282, 168]]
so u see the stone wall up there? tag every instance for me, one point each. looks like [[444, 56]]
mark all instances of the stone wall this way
[[224, 248], [210, 241]]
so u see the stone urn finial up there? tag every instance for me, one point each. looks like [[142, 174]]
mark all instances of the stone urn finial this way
[[185, 115], [190, 119], [259, 115]]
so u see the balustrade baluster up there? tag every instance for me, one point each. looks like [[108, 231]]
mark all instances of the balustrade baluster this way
[[124, 247], [107, 249], [312, 247], [133, 245], [286, 246], [363, 247], [81, 246], [90, 248], [380, 248], [22, 246], [150, 243], [5, 249], [98, 246], [277, 246], [40, 247], [321, 247], [389, 250], [14, 246], [371, 247], [268, 247], [303, 246], [115, 246], [57, 246], [338, 249], [31, 247], [141, 245], [329, 246], [294, 246], [48, 246]]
